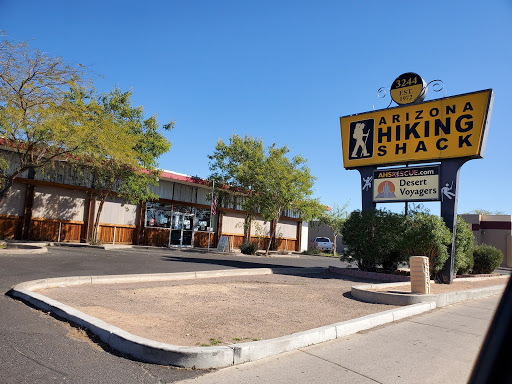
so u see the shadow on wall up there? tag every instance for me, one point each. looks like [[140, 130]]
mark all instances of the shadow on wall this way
[[60, 206], [13, 203]]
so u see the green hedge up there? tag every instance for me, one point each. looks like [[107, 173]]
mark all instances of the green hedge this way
[[373, 238], [378, 238], [486, 258]]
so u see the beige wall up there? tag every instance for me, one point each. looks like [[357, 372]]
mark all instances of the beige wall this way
[[323, 231], [286, 229], [233, 223], [14, 201], [58, 203], [508, 256], [260, 227], [115, 211], [499, 238]]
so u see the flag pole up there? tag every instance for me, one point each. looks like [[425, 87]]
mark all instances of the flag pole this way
[[210, 227]]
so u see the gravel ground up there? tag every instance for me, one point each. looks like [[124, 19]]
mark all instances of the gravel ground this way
[[220, 311]]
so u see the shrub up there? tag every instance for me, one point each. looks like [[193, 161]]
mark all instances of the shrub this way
[[373, 238], [427, 235], [248, 248], [486, 258], [464, 238], [312, 251]]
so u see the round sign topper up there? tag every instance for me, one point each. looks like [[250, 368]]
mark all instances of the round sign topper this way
[[408, 88]]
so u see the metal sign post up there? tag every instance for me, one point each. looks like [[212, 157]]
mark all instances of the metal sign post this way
[[449, 197]]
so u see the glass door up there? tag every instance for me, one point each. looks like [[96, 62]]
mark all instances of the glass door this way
[[182, 229], [187, 239], [176, 228]]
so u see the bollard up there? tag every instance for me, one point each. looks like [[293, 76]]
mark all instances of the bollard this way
[[420, 274]]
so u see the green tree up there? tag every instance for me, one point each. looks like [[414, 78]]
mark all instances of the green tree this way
[[124, 157], [335, 219], [234, 165], [284, 184], [480, 211], [265, 180], [36, 119]]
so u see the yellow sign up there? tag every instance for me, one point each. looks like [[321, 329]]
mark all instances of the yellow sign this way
[[439, 129], [406, 184]]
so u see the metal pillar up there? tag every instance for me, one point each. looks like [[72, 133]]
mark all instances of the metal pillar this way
[[367, 191], [449, 192]]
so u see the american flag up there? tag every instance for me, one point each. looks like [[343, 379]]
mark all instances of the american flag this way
[[214, 204]]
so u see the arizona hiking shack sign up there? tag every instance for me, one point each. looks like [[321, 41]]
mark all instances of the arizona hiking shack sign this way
[[431, 131], [447, 131]]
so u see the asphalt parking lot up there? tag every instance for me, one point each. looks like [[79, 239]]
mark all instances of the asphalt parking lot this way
[[37, 348]]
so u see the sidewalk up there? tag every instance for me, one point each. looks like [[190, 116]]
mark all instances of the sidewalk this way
[[437, 347]]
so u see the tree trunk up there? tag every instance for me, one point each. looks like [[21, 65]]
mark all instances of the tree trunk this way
[[273, 226], [247, 227], [95, 230], [334, 235]]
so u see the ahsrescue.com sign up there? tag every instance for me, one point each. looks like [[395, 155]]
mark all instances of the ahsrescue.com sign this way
[[439, 129], [406, 184]]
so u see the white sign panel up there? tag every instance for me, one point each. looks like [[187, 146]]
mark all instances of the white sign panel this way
[[406, 184]]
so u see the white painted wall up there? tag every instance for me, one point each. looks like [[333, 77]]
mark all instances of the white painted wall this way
[[304, 239]]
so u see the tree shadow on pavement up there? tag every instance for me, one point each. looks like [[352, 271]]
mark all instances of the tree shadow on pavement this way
[[313, 272]]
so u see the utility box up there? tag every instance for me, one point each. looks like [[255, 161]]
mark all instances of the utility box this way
[[420, 274]]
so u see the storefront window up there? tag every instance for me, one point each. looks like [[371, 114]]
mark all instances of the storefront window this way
[[158, 215], [176, 217], [202, 219]]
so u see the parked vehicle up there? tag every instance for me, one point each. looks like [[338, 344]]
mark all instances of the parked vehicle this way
[[322, 244]]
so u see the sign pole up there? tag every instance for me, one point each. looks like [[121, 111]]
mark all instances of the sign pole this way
[[449, 182], [366, 187], [211, 213]]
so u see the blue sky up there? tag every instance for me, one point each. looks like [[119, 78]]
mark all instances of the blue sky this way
[[285, 71]]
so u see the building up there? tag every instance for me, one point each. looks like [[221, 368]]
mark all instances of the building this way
[[495, 230], [323, 230], [59, 204]]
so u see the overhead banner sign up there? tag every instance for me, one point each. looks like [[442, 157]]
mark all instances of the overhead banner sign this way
[[406, 184], [439, 129]]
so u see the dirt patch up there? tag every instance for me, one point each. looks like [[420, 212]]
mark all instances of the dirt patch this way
[[461, 284], [219, 311]]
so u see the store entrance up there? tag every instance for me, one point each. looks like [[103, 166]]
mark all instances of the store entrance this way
[[182, 229]]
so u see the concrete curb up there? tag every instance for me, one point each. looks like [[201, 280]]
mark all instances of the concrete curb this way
[[199, 357], [32, 248], [367, 293]]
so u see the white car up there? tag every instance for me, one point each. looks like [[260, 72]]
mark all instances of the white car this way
[[322, 243]]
